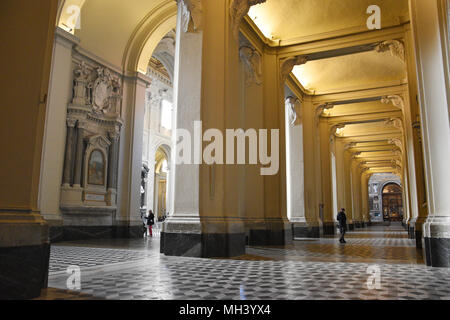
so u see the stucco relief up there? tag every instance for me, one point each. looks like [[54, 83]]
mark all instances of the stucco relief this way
[[192, 15], [292, 113], [395, 47], [252, 61], [238, 10], [288, 64]]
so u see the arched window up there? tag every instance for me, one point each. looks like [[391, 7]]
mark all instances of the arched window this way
[[166, 115]]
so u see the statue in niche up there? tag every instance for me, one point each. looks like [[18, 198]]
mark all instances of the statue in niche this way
[[96, 169]]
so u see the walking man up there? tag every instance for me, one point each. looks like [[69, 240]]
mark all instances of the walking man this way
[[342, 218]]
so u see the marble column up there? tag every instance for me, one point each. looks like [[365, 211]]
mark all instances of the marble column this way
[[68, 159], [326, 175], [24, 234], [365, 198], [128, 223], [416, 222], [295, 168], [278, 230], [348, 189], [112, 168], [356, 194], [431, 43], [79, 155], [312, 197]]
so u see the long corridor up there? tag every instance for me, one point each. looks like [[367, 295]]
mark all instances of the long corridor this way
[[376, 263]]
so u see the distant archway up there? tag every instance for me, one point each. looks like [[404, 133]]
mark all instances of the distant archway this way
[[392, 195]]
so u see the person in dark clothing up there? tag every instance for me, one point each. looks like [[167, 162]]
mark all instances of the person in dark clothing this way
[[150, 222], [342, 218]]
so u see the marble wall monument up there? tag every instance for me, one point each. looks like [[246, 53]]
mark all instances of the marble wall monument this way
[[89, 186]]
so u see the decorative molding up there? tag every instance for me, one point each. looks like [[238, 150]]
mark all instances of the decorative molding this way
[[288, 64], [397, 142], [335, 130], [396, 100], [394, 122], [396, 48], [238, 10], [320, 109], [350, 145], [290, 105], [252, 61], [192, 15]]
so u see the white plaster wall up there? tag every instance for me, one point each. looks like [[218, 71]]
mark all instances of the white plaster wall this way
[[53, 150]]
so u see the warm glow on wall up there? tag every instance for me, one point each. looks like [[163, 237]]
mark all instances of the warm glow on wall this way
[[263, 24], [302, 75]]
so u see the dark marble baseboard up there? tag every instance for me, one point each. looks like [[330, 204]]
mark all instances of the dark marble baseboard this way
[[357, 224], [363, 224], [269, 237], [75, 233], [306, 232], [329, 228], [351, 227], [418, 237], [202, 245], [437, 252], [411, 233], [23, 271]]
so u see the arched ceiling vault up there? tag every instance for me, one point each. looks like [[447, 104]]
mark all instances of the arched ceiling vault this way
[[123, 33]]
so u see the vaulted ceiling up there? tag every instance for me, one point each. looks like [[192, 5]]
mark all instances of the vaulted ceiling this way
[[300, 20]]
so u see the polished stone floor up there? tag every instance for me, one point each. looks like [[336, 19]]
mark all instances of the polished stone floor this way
[[307, 269]]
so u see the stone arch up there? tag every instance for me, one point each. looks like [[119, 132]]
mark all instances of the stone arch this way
[[146, 36]]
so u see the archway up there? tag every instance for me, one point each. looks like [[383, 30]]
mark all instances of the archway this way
[[392, 202], [160, 196]]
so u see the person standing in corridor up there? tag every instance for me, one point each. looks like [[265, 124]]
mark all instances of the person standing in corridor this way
[[150, 222], [342, 218]]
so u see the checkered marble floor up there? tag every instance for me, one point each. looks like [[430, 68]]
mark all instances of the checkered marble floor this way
[[313, 269]]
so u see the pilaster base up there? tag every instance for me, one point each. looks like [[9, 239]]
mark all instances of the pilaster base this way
[[205, 245], [305, 231], [437, 252], [75, 233], [24, 271], [188, 236], [24, 255], [329, 228], [436, 232], [351, 227]]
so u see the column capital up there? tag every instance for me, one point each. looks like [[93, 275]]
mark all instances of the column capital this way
[[71, 123]]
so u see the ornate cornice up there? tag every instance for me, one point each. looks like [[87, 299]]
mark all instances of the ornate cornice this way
[[238, 10], [288, 64], [396, 48], [396, 100]]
